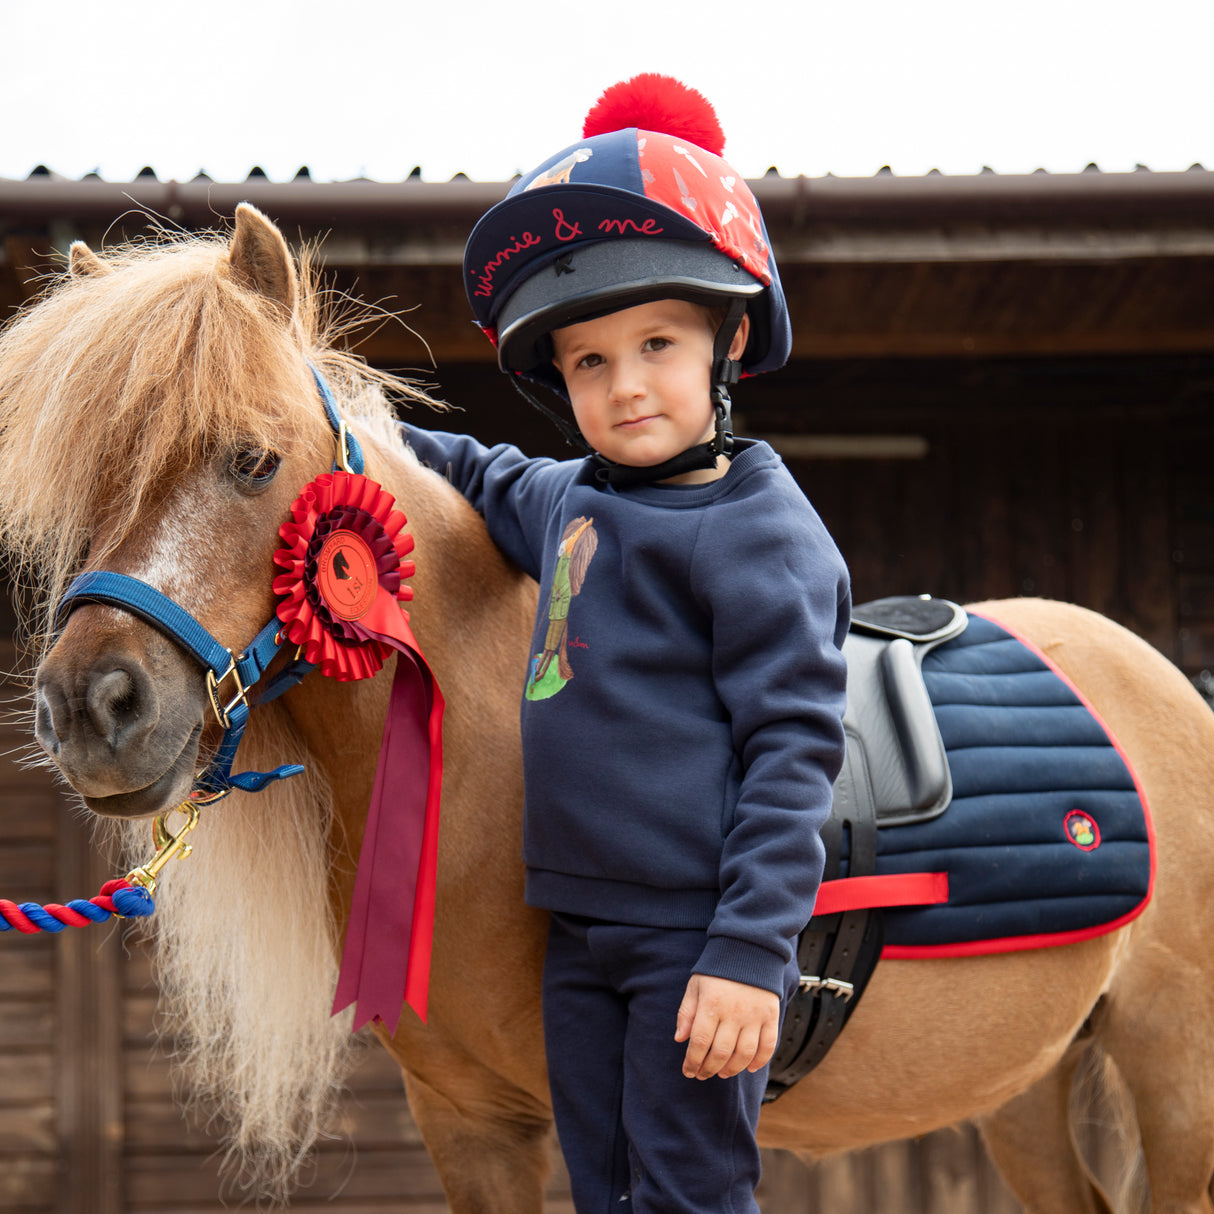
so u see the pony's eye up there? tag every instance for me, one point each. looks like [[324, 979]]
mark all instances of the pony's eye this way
[[254, 467]]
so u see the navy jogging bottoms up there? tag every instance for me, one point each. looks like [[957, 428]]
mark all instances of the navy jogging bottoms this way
[[638, 1137]]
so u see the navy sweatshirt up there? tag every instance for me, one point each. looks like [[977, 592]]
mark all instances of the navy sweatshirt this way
[[682, 714]]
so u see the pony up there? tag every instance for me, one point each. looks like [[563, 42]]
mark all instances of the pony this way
[[157, 417]]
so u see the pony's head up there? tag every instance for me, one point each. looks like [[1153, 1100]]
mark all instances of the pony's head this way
[[157, 418]]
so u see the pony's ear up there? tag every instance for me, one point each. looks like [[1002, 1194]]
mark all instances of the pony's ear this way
[[82, 262], [260, 256]]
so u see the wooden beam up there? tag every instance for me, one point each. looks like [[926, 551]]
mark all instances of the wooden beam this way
[[89, 1097], [818, 345]]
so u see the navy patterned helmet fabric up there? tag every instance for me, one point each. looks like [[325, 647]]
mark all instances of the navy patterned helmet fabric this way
[[623, 217]]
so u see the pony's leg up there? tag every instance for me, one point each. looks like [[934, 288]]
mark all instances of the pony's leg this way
[[1159, 1039], [491, 1153], [1031, 1143]]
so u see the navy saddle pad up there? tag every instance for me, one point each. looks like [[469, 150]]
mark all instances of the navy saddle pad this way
[[1047, 838]]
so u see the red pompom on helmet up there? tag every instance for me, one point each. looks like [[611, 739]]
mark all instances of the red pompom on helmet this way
[[657, 103]]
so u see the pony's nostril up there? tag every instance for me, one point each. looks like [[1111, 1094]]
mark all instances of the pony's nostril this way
[[116, 706], [44, 725]]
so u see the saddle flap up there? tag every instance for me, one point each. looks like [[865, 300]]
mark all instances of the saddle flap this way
[[895, 756]]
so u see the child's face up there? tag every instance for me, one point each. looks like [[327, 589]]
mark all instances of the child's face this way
[[638, 379]]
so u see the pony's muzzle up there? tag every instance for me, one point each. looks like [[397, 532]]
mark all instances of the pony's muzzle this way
[[97, 723]]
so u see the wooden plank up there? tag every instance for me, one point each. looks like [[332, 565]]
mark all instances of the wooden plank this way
[[26, 1077], [893, 1172], [834, 1185], [29, 1129], [372, 1122], [985, 493], [1149, 588], [950, 1171], [88, 1089], [26, 814], [31, 257], [27, 873], [1038, 510], [786, 1185], [1094, 520], [26, 1023], [27, 1184], [168, 1178], [27, 965]]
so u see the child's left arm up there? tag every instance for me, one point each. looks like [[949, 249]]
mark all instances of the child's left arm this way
[[729, 1027], [778, 595]]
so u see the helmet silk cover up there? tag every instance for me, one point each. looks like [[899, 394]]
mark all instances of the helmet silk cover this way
[[640, 216]]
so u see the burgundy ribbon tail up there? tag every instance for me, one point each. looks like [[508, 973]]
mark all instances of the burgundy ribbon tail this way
[[386, 958]]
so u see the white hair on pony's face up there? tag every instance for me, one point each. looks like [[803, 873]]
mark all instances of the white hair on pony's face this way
[[245, 953]]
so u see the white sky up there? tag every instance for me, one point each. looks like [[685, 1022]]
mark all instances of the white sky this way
[[374, 87]]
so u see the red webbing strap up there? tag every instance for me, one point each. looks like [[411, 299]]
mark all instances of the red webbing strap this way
[[897, 889]]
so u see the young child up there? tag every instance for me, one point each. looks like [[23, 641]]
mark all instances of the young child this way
[[681, 716]]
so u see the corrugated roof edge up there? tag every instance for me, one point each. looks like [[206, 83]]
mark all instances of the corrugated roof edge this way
[[45, 196]]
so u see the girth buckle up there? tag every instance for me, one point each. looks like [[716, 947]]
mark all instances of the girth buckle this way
[[836, 986]]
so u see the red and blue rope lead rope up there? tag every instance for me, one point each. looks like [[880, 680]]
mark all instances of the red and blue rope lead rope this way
[[118, 897]]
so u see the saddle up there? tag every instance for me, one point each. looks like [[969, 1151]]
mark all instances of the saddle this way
[[895, 772]]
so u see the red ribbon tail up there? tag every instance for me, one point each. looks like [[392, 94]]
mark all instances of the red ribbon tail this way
[[386, 958], [421, 938]]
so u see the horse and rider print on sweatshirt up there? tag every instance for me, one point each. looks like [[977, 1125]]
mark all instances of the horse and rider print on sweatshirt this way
[[574, 554]]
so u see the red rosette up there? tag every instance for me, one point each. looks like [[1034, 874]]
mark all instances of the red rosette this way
[[343, 557]]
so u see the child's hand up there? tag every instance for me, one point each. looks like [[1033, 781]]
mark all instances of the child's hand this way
[[730, 1027]]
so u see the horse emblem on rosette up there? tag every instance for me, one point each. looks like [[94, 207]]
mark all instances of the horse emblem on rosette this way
[[159, 405]]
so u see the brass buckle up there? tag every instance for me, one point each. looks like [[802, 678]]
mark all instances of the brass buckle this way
[[343, 447], [213, 685]]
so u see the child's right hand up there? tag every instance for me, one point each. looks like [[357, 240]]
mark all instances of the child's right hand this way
[[730, 1027]]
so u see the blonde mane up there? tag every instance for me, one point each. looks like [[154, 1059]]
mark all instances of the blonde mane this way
[[245, 998], [119, 380]]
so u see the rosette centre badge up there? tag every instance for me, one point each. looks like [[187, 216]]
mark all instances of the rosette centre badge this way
[[346, 575]]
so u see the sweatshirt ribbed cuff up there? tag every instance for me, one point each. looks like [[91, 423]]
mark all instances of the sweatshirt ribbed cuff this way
[[740, 961]]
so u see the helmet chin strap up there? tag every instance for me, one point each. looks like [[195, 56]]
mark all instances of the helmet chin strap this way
[[725, 373]]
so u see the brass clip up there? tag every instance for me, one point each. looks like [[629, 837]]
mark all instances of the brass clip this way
[[168, 846]]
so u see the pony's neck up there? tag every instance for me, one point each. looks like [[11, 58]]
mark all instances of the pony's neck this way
[[472, 614]]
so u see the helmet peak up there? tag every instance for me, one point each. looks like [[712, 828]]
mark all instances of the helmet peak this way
[[659, 103]]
